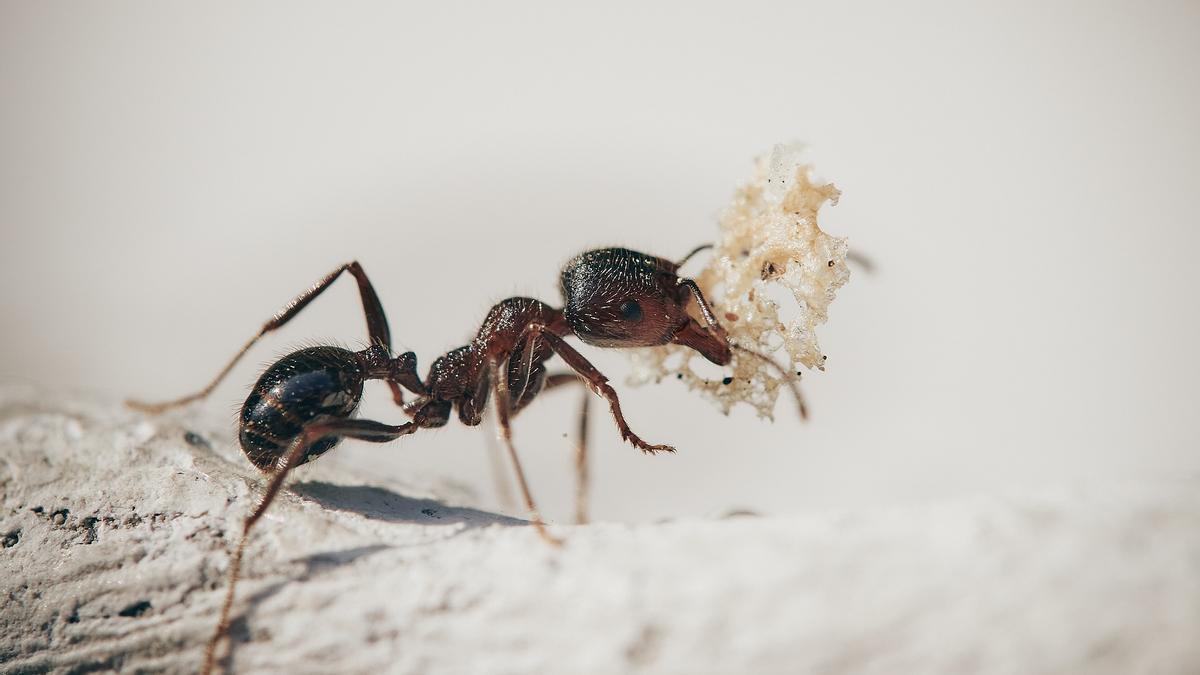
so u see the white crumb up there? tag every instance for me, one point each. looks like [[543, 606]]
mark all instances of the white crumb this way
[[768, 241]]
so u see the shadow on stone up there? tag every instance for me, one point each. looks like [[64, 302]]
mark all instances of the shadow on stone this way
[[369, 501], [315, 565], [379, 503]]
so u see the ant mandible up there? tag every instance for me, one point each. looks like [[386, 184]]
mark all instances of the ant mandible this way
[[305, 403]]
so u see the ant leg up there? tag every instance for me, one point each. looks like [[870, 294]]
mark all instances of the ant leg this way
[[377, 329], [599, 384], [499, 385], [581, 444], [363, 430], [553, 381], [499, 477], [581, 462]]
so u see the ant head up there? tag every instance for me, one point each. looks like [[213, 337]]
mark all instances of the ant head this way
[[621, 298]]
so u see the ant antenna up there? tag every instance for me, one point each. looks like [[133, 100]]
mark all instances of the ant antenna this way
[[792, 379], [693, 252]]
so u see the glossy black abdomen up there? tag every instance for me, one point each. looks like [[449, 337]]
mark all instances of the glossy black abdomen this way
[[300, 387]]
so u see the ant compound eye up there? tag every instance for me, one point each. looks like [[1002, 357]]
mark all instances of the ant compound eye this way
[[631, 310]]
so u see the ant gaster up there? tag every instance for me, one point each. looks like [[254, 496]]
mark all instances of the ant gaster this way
[[305, 403]]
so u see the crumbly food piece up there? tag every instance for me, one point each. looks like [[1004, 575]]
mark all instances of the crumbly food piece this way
[[768, 240]]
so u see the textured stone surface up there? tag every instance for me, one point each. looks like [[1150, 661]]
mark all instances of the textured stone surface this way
[[115, 529]]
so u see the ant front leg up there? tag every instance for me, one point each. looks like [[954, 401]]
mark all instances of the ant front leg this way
[[599, 384], [377, 329], [363, 430]]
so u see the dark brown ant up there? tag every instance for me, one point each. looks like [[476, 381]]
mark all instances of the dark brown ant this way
[[305, 403]]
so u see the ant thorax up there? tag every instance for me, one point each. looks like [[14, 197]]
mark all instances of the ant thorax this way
[[769, 247]]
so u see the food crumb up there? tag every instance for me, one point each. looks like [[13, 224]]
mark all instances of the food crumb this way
[[768, 238]]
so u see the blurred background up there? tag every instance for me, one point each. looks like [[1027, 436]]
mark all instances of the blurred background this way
[[1023, 175]]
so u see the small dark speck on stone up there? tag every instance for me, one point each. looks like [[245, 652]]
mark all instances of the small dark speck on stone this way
[[59, 517], [11, 539], [37, 509], [679, 376], [799, 373], [768, 270], [728, 380], [831, 263], [89, 530], [195, 440], [431, 513], [136, 609]]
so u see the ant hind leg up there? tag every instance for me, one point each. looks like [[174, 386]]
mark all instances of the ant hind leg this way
[[377, 329], [363, 430]]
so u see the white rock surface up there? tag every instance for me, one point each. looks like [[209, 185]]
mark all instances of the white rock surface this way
[[116, 528]]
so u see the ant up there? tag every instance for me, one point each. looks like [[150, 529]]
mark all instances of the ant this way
[[304, 405]]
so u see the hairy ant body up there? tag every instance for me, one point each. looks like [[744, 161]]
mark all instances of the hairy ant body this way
[[305, 403]]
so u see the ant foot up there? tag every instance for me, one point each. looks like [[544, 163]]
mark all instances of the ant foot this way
[[646, 447], [144, 407], [540, 527]]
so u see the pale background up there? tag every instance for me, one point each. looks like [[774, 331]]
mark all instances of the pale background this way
[[1024, 175]]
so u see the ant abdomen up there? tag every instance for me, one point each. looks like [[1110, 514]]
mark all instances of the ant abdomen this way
[[310, 383]]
